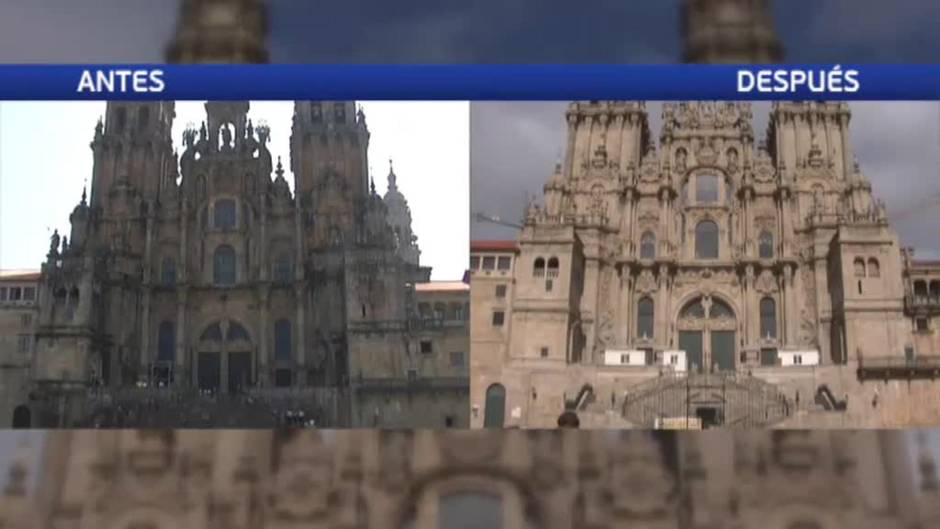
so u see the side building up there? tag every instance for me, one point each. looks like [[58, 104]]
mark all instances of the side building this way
[[19, 291], [705, 279], [200, 289]]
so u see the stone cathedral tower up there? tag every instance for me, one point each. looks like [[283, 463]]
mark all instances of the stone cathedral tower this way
[[220, 31], [729, 31]]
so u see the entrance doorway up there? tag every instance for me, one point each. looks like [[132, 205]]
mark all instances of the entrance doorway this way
[[710, 417], [22, 417], [710, 321], [239, 371], [210, 371]]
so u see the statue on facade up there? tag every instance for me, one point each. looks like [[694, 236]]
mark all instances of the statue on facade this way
[[54, 244]]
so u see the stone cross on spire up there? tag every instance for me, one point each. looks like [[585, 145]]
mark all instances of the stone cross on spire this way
[[729, 31]]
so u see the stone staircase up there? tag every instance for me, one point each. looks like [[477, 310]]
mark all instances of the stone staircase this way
[[733, 400]]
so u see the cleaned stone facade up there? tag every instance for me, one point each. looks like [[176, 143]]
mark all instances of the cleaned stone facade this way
[[705, 275], [424, 479], [19, 291]]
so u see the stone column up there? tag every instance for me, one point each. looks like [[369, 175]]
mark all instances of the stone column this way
[[264, 360], [847, 156], [183, 376], [790, 317], [751, 333]]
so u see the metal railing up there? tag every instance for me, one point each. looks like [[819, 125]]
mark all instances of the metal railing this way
[[922, 301], [898, 367], [150, 407], [733, 400]]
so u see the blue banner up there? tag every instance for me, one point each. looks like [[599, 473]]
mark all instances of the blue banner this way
[[469, 82]]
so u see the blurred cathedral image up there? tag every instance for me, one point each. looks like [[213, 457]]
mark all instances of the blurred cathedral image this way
[[445, 479]]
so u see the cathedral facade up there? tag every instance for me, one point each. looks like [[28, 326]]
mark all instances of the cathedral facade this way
[[705, 278], [200, 289], [424, 479]]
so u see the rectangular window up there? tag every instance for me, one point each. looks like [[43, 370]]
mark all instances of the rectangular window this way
[[501, 291], [673, 359], [426, 347], [503, 263], [549, 284], [3, 293], [16, 293], [23, 343], [412, 374], [457, 359], [29, 293], [498, 317], [649, 357], [768, 357], [625, 359], [797, 360], [921, 324], [474, 262], [26, 320], [489, 262], [449, 421], [224, 214], [544, 352]]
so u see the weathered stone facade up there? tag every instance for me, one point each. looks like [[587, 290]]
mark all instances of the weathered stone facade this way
[[423, 479], [705, 274], [200, 289]]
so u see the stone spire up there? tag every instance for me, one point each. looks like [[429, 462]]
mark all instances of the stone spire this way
[[220, 31], [729, 31], [399, 217]]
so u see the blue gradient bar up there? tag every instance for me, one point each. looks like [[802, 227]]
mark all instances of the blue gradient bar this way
[[462, 82]]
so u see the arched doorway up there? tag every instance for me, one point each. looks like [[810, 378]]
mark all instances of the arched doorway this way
[[495, 406], [224, 361], [22, 417], [706, 328]]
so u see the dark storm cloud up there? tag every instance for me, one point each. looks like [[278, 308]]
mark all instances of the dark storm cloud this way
[[513, 148]]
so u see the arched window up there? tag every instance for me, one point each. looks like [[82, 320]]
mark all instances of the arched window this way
[[494, 411], [224, 214], [22, 417], [223, 272], [706, 189], [766, 245], [645, 318], [552, 267], [168, 272], [282, 341], [236, 332], [768, 318], [143, 118], [440, 311], [648, 245], [706, 240], [874, 270], [693, 310], [455, 509], [538, 269], [166, 342], [283, 269], [213, 333], [455, 311], [120, 119], [920, 288], [859, 267]]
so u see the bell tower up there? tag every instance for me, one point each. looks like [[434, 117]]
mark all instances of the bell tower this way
[[220, 32], [729, 31]]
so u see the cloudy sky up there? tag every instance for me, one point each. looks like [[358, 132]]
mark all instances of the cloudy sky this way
[[515, 146], [45, 160], [482, 31]]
